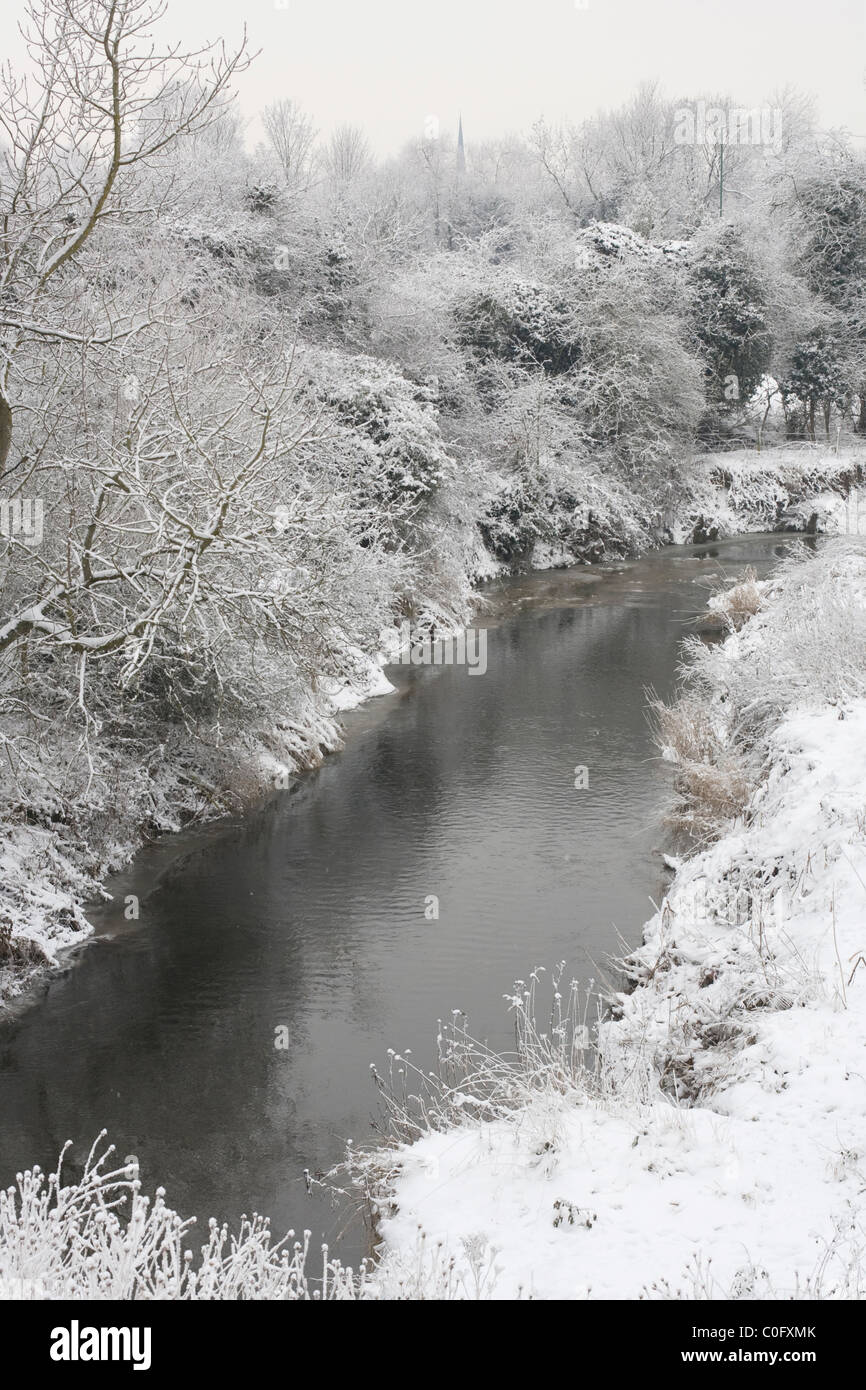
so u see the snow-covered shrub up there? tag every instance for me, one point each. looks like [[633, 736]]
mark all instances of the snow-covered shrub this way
[[611, 341], [262, 196], [391, 450], [732, 609], [637, 390], [563, 505], [519, 322], [818, 375], [101, 1237], [609, 241], [813, 652], [813, 646], [712, 782], [731, 314], [552, 1056]]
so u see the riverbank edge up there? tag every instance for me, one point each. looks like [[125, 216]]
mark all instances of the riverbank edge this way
[[46, 883], [714, 1149]]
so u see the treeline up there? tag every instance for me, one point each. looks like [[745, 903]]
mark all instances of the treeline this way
[[271, 401]]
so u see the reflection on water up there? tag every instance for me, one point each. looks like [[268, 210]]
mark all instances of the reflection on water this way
[[310, 916]]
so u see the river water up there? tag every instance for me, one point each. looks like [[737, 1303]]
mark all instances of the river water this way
[[313, 914]]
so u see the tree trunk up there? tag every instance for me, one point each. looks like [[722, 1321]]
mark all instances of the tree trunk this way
[[5, 431]]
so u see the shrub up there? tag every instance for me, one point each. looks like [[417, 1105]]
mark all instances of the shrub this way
[[390, 449], [518, 322], [712, 783], [100, 1237]]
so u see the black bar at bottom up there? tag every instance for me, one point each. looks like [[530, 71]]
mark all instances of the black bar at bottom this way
[[62, 1339]]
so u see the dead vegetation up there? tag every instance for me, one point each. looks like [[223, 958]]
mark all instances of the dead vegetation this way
[[712, 782]]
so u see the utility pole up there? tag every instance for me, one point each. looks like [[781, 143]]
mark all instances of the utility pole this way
[[721, 178]]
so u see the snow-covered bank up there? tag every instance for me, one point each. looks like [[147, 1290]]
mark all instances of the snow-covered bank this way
[[55, 859], [53, 865], [716, 1146], [728, 1053], [784, 487]]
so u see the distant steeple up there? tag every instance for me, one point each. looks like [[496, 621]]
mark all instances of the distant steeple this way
[[461, 152]]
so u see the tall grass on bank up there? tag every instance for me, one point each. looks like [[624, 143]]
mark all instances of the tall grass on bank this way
[[807, 651], [101, 1237], [471, 1081]]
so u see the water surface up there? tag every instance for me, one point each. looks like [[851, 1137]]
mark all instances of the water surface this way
[[310, 915]]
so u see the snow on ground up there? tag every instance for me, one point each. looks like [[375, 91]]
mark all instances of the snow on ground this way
[[366, 681], [720, 1151], [48, 917], [780, 486], [50, 873]]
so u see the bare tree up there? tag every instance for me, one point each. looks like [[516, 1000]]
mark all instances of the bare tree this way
[[104, 100], [202, 556], [348, 154], [554, 148], [291, 133]]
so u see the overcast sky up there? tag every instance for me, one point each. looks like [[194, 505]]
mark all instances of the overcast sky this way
[[390, 64]]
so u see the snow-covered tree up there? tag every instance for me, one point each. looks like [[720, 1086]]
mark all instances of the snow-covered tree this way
[[730, 315], [101, 103]]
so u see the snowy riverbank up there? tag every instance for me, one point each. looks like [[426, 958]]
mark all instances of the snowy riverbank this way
[[717, 1145], [53, 865], [709, 1142]]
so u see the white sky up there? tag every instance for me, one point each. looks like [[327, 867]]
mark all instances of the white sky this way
[[389, 64]]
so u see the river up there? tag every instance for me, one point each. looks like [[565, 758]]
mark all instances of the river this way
[[314, 914]]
